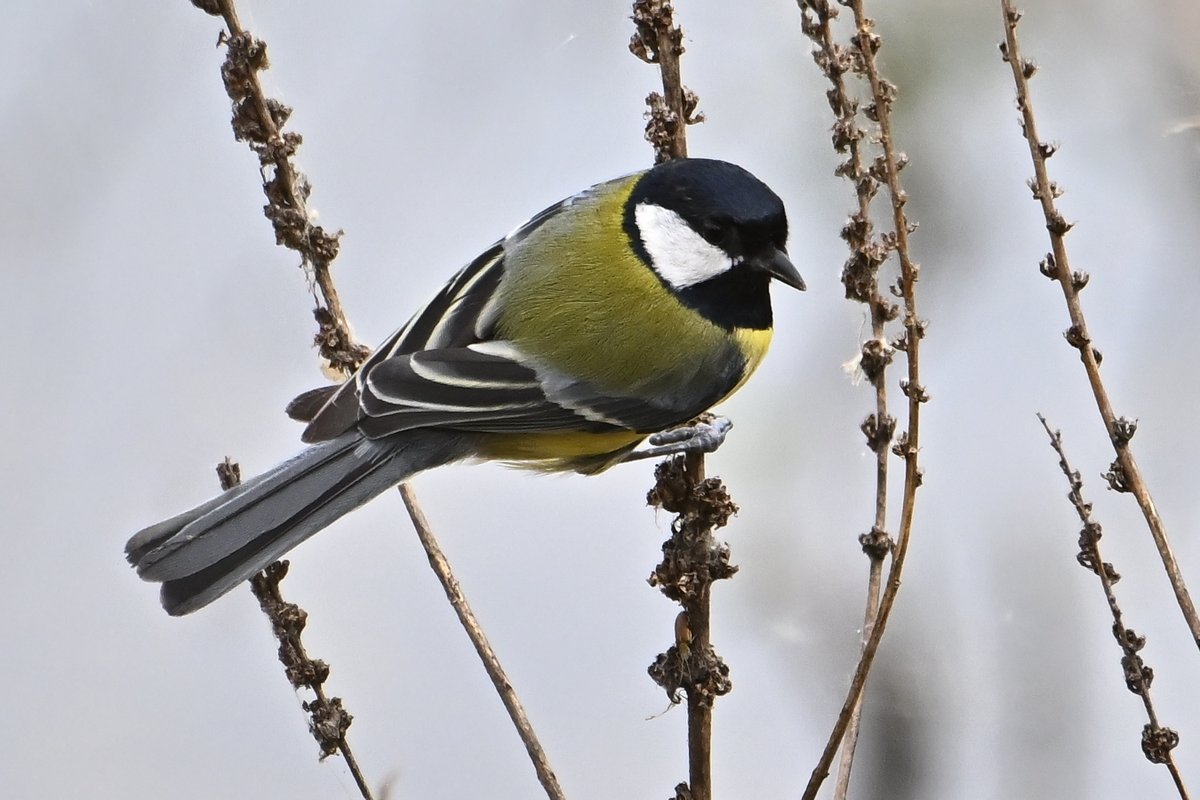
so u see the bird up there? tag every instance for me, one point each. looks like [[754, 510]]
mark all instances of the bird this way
[[619, 313]]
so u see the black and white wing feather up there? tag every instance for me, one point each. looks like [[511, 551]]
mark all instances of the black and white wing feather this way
[[445, 369]]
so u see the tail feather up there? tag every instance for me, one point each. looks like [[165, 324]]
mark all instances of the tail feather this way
[[149, 544], [239, 516], [203, 553]]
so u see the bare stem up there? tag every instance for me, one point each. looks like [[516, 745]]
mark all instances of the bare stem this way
[[470, 623], [860, 276], [1124, 474], [841, 788], [258, 120], [658, 40], [1158, 742], [693, 557], [700, 699], [693, 560], [328, 719]]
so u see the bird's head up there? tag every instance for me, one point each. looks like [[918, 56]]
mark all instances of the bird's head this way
[[715, 235]]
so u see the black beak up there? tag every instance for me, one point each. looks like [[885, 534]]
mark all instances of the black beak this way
[[775, 263]]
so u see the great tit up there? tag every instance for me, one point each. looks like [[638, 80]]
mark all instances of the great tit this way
[[622, 311]]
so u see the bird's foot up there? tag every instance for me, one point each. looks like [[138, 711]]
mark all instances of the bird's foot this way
[[704, 435]]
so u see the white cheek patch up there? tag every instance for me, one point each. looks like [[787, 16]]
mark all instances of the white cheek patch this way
[[678, 254]]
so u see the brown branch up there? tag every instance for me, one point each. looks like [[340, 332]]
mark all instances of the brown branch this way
[[692, 561], [258, 120], [1158, 742], [658, 40], [860, 276], [692, 558], [328, 719], [1124, 474], [491, 663]]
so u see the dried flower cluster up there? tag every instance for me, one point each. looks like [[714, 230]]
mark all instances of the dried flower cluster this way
[[1157, 741], [861, 100]]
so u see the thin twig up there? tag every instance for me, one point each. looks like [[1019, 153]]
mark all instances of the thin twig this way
[[258, 120], [707, 673], [491, 663], [692, 561], [860, 276], [1124, 474], [1158, 742], [693, 558], [841, 787], [658, 40], [328, 719]]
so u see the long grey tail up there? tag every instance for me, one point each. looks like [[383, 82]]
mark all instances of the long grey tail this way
[[203, 553]]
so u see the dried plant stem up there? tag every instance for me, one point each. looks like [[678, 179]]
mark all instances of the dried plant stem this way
[[693, 558], [328, 719], [876, 354], [841, 788], [658, 40], [258, 120], [699, 703], [1124, 475], [491, 663], [1158, 742], [861, 278]]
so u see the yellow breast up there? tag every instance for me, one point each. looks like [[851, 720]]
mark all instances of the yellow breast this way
[[754, 344], [561, 450]]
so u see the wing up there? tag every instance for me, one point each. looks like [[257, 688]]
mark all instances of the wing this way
[[461, 314], [490, 387], [462, 388], [444, 369]]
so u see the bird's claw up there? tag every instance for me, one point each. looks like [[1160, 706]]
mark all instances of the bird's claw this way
[[704, 435]]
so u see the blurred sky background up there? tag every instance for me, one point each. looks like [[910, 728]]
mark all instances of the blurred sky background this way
[[152, 328]]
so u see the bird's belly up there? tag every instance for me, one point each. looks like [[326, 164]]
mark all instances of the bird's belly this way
[[559, 450]]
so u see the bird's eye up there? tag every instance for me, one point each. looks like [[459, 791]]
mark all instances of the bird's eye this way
[[713, 232]]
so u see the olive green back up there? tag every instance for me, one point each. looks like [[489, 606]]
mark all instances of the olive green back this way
[[588, 307]]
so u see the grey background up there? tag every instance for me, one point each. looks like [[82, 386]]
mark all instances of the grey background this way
[[151, 327]]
